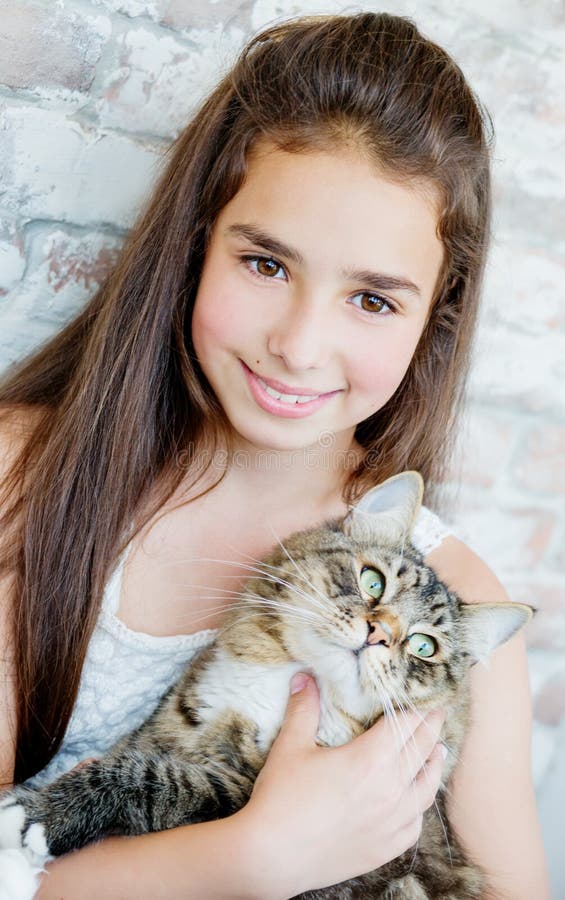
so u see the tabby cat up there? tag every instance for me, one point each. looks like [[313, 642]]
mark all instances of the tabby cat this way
[[351, 602]]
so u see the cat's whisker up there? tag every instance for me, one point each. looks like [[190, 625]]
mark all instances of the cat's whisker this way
[[248, 601], [403, 698], [390, 712], [260, 573], [293, 612], [410, 704], [412, 740], [256, 570], [263, 565], [302, 593], [379, 688], [276, 568], [394, 710], [396, 706], [268, 576], [424, 768], [246, 611], [394, 715], [232, 594], [286, 607], [297, 613], [298, 569]]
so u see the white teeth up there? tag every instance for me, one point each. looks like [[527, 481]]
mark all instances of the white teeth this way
[[286, 398]]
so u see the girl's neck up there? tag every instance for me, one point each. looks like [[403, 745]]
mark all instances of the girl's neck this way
[[311, 479], [316, 474]]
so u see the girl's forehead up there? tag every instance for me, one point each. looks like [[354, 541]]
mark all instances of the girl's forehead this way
[[336, 210]]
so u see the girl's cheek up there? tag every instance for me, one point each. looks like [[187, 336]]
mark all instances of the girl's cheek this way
[[379, 366], [207, 325], [219, 321]]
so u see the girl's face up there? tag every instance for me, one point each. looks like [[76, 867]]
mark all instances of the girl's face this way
[[316, 287]]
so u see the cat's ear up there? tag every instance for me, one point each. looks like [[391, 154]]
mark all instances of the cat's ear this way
[[487, 625], [387, 510]]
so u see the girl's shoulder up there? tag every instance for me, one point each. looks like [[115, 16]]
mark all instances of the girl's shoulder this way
[[465, 572]]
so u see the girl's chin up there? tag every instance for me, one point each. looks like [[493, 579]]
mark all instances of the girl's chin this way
[[255, 443]]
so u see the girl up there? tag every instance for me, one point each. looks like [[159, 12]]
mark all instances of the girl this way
[[290, 323]]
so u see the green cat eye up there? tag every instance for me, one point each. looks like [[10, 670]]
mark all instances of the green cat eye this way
[[373, 582], [422, 645]]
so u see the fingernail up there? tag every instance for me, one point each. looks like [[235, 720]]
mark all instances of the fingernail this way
[[444, 750], [298, 682]]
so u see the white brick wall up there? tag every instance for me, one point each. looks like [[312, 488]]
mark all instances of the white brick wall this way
[[92, 91]]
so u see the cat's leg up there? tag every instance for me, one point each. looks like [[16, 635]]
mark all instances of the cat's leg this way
[[409, 887], [128, 794], [21, 857], [19, 879], [373, 887]]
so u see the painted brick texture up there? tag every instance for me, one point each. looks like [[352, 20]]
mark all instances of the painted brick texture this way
[[93, 91], [47, 46]]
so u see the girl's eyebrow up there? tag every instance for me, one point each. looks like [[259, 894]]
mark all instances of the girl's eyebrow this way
[[257, 236], [377, 281]]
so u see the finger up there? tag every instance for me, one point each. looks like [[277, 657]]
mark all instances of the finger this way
[[395, 730], [421, 744], [410, 834], [428, 780], [302, 716]]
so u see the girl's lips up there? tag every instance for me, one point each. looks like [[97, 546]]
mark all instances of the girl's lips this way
[[278, 407]]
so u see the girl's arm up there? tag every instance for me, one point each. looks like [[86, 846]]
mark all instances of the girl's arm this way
[[493, 806], [212, 860]]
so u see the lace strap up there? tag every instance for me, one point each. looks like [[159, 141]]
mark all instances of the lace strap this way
[[429, 531], [112, 591]]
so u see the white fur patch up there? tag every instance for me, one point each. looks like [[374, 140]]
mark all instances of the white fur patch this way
[[35, 844], [257, 691], [260, 692], [12, 818], [19, 879], [21, 860]]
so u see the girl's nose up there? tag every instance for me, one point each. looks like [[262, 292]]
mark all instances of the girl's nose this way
[[301, 336]]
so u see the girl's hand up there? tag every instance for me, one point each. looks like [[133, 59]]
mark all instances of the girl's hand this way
[[321, 815]]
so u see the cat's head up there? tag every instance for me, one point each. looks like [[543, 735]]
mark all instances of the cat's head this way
[[356, 603]]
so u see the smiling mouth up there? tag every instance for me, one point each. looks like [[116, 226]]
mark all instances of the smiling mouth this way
[[286, 398], [287, 393], [283, 400]]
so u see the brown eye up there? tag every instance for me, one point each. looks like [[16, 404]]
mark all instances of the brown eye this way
[[267, 267], [371, 303]]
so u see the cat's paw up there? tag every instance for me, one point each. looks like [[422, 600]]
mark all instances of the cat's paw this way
[[19, 832], [19, 879]]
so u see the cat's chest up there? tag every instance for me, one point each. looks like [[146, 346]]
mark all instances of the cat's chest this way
[[260, 692]]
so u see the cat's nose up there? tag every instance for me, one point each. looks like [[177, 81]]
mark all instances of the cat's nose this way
[[379, 633]]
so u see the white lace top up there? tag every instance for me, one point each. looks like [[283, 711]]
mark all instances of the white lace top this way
[[126, 672]]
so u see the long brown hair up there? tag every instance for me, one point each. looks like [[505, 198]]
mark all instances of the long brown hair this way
[[118, 395]]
